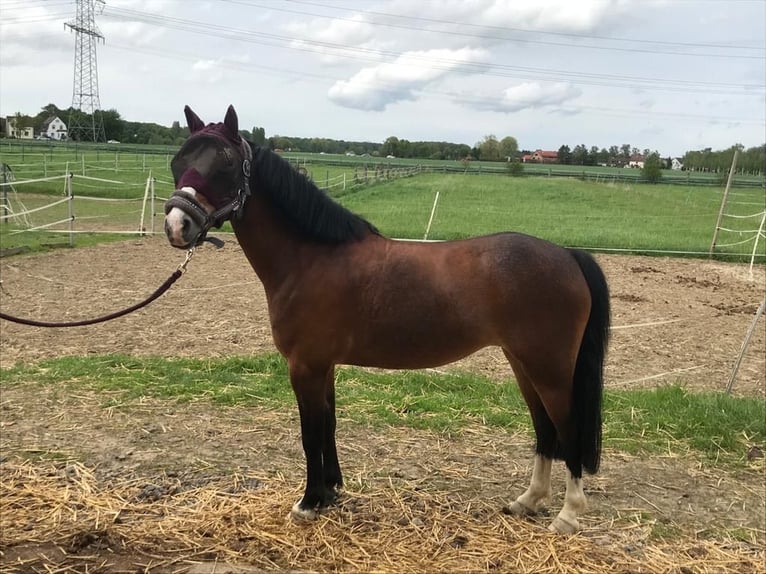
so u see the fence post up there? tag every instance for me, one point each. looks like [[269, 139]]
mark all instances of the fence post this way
[[70, 206], [151, 227], [430, 219], [141, 226], [344, 181], [6, 204], [723, 201], [745, 344], [82, 158], [755, 243]]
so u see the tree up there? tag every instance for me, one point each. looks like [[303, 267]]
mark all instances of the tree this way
[[259, 136], [114, 126], [652, 170], [579, 155], [565, 155], [515, 168], [625, 152], [391, 147], [509, 148], [614, 155], [489, 148]]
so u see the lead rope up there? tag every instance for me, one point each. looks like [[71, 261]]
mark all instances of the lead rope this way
[[160, 291]]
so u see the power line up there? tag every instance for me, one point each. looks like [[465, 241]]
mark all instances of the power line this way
[[372, 55], [485, 36], [449, 96]]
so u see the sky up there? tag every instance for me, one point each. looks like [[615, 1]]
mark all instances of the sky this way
[[667, 75]]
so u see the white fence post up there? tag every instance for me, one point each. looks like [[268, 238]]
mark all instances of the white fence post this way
[[152, 198], [430, 219], [141, 228], [70, 205]]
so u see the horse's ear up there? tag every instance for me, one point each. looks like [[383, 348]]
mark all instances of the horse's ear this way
[[231, 122], [192, 120]]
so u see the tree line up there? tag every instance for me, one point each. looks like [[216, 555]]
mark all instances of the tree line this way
[[490, 148], [750, 161]]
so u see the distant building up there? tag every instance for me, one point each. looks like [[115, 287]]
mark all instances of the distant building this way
[[676, 164], [12, 131], [541, 156], [636, 160], [54, 128]]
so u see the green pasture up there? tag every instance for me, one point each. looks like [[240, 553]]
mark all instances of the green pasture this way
[[476, 167], [597, 214], [714, 427], [569, 212]]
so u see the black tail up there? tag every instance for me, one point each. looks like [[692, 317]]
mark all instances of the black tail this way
[[589, 369]]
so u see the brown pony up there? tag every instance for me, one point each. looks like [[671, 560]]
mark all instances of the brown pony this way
[[339, 292]]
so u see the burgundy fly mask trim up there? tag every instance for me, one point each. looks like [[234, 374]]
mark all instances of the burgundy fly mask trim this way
[[227, 203]]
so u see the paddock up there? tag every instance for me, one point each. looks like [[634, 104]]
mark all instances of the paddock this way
[[164, 486]]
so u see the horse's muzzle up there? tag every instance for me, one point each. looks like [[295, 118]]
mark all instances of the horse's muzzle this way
[[180, 231]]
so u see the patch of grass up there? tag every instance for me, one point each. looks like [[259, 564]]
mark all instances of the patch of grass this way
[[716, 424], [668, 419], [665, 530]]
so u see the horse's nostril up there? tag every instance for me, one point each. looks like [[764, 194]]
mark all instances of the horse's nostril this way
[[186, 224]]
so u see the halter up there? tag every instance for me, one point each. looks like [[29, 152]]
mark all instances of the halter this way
[[233, 209]]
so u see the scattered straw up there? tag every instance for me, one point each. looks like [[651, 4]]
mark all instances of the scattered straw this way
[[61, 518]]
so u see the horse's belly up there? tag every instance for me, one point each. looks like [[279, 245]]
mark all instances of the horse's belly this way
[[415, 349]]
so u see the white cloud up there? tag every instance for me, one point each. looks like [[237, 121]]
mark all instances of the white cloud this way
[[562, 16], [553, 15], [329, 39], [375, 87], [528, 95]]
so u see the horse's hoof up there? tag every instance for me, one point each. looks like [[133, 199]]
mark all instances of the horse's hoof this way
[[518, 509], [562, 526], [303, 514]]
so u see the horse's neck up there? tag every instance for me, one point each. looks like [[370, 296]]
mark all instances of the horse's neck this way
[[272, 249]]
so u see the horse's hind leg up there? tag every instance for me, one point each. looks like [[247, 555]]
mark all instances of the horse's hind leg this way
[[540, 485], [550, 403]]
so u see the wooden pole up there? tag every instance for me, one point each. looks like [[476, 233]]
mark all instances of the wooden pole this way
[[70, 205], [745, 344], [755, 243], [6, 201], [723, 201], [430, 219]]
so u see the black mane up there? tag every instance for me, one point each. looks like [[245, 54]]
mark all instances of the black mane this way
[[312, 212]]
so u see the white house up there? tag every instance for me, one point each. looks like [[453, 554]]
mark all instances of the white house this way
[[54, 128], [676, 164], [12, 131], [636, 161]]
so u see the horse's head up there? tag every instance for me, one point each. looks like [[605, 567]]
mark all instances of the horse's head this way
[[212, 179]]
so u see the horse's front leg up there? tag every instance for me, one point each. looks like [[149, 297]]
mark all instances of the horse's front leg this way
[[309, 386], [333, 479]]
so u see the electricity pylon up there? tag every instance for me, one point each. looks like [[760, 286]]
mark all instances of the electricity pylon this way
[[85, 93]]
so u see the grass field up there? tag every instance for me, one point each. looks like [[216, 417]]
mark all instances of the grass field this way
[[570, 212], [604, 214], [714, 426]]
